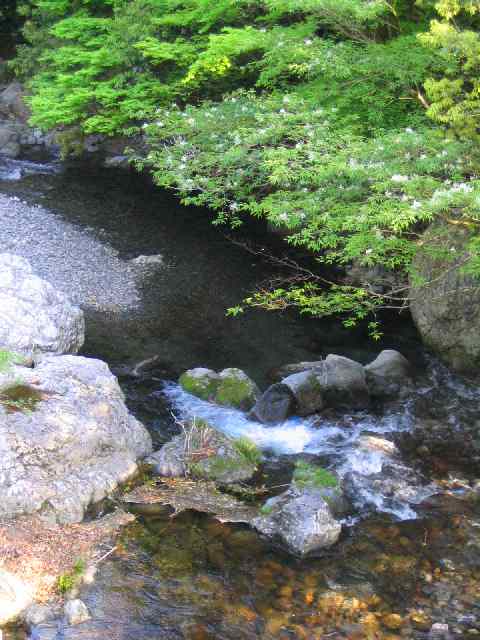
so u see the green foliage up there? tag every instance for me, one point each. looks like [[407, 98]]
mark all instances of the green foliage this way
[[309, 475], [7, 359], [320, 116], [343, 197], [67, 581], [248, 450], [266, 509], [455, 93]]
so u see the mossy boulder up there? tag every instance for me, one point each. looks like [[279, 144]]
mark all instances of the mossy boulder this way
[[236, 390], [311, 477], [229, 388], [200, 382], [203, 453], [302, 519]]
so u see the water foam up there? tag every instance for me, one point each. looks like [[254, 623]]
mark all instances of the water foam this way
[[378, 479]]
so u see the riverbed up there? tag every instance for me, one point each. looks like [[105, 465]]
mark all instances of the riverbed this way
[[155, 280]]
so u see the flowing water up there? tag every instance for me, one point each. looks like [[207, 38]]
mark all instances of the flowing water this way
[[412, 546]]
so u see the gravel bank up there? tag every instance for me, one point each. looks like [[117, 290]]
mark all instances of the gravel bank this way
[[72, 259]]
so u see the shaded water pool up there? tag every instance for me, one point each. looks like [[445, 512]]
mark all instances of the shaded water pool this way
[[397, 570]]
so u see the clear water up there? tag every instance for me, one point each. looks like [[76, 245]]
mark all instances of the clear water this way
[[191, 577]]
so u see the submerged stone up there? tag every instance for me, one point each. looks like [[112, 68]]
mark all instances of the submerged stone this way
[[183, 495]]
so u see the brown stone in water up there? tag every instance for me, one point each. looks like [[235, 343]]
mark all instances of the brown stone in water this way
[[392, 621], [420, 620], [198, 632]]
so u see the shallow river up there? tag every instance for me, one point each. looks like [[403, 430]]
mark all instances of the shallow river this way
[[410, 556]]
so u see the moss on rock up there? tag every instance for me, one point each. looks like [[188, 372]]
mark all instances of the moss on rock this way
[[309, 475], [236, 390], [230, 388], [200, 382]]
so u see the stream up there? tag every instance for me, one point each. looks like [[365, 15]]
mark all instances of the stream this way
[[409, 557]]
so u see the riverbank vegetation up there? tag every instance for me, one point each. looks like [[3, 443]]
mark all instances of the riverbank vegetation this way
[[350, 125]]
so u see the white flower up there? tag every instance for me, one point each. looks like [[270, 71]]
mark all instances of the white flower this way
[[368, 251], [399, 178], [416, 204], [308, 42], [409, 130], [233, 206]]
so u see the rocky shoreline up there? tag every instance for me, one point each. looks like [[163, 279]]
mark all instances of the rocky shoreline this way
[[67, 439]]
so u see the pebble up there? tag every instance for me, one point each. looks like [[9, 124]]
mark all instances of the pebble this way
[[439, 630], [72, 259], [76, 612]]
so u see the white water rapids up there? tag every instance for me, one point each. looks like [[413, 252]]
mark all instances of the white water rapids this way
[[378, 478]]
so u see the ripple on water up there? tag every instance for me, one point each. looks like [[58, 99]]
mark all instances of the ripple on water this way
[[378, 480]]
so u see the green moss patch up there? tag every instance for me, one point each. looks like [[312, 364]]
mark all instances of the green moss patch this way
[[235, 390], [202, 386], [20, 398], [248, 450], [309, 475]]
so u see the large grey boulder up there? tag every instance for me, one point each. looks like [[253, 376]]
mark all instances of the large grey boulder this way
[[66, 438], [275, 405], [307, 390], [9, 140], [205, 453], [444, 300], [335, 382], [388, 375], [15, 597], [279, 373], [344, 383], [12, 104], [35, 318], [301, 519]]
